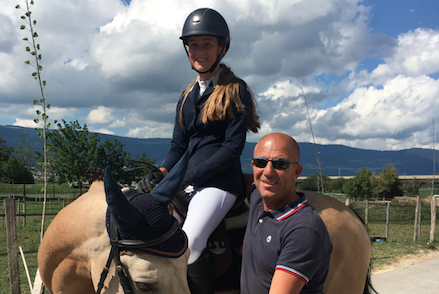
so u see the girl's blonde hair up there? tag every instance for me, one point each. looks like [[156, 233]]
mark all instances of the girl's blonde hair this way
[[221, 101]]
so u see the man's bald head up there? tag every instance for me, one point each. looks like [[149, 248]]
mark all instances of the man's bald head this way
[[283, 141]]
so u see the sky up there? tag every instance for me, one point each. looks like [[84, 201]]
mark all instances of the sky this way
[[364, 74]]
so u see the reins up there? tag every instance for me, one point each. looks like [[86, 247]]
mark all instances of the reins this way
[[127, 167]]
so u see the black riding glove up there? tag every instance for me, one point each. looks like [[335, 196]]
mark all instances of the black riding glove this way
[[148, 182]]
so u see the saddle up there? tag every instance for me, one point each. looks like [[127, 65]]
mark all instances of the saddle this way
[[225, 242]]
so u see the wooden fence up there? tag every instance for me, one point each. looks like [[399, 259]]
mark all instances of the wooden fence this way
[[14, 213], [398, 211]]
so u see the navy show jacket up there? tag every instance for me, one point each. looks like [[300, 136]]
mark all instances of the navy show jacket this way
[[215, 148]]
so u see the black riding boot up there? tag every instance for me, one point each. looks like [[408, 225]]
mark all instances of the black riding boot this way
[[200, 275]]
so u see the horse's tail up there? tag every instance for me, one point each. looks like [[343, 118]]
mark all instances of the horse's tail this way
[[368, 288]]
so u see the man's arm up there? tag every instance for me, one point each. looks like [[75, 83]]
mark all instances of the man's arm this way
[[285, 283]]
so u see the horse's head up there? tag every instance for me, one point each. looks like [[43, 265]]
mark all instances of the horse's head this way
[[148, 245]]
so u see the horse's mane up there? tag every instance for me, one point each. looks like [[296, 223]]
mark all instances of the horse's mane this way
[[94, 173]]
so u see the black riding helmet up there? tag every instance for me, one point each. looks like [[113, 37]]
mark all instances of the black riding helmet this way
[[206, 22]]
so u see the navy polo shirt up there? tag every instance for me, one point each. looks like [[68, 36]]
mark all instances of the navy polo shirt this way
[[293, 239]]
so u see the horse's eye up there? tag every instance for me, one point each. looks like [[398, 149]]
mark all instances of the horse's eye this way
[[145, 286]]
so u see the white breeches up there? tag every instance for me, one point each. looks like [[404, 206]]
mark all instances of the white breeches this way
[[207, 208]]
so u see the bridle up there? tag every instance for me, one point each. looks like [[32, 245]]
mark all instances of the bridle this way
[[127, 167], [117, 244]]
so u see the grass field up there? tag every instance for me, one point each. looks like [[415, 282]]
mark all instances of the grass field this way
[[400, 240]]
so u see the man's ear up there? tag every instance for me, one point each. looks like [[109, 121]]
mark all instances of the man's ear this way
[[299, 169]]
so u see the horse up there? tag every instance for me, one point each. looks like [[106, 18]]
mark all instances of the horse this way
[[88, 247], [73, 253]]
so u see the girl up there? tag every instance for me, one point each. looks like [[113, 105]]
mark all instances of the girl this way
[[213, 116]]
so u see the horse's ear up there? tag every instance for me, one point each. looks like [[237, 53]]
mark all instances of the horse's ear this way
[[124, 213], [168, 188]]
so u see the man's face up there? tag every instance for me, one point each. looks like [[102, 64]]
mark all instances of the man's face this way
[[276, 186]]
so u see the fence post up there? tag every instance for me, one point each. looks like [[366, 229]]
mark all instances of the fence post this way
[[11, 228], [433, 218], [418, 204], [366, 211], [24, 213], [420, 219], [387, 221], [347, 201]]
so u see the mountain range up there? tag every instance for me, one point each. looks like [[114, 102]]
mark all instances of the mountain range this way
[[336, 160]]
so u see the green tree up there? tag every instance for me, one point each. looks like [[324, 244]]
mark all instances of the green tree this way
[[312, 183], [387, 183], [25, 153], [111, 154], [336, 186], [18, 172], [360, 186], [411, 188], [5, 154], [73, 150]]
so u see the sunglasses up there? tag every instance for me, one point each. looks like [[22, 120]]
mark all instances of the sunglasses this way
[[278, 163]]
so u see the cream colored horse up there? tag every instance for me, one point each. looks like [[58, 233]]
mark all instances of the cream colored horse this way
[[76, 246]]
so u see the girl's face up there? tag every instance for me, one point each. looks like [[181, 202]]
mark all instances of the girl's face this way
[[203, 51]]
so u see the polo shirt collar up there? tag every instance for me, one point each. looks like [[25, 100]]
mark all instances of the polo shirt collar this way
[[287, 211]]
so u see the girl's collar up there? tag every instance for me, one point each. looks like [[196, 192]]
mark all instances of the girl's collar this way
[[214, 79]]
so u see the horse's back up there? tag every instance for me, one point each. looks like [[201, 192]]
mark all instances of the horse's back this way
[[75, 234], [350, 257]]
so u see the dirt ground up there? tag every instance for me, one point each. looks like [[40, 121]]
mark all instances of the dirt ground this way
[[407, 260]]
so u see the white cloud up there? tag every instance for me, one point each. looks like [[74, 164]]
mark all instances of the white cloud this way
[[118, 123], [415, 55], [100, 115], [77, 64], [151, 130], [121, 68], [26, 123], [102, 131], [392, 115]]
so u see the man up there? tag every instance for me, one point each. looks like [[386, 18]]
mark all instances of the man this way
[[286, 245]]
